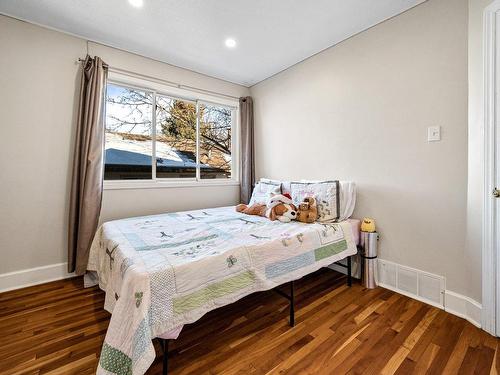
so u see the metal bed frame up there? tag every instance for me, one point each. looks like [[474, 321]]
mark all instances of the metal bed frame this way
[[290, 297]]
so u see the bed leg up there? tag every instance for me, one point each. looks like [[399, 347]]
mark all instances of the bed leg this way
[[164, 347], [292, 305], [349, 271]]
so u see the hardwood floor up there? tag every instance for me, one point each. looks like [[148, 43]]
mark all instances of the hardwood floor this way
[[58, 328]]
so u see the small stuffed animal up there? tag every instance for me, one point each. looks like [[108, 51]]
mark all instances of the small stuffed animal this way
[[284, 212], [279, 207], [308, 210], [281, 211], [368, 225], [255, 209]]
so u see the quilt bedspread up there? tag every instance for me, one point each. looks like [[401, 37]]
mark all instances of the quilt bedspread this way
[[161, 272]]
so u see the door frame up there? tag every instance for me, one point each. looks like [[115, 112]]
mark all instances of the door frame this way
[[490, 238]]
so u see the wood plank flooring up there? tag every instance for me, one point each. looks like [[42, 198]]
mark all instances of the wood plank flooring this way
[[59, 327]]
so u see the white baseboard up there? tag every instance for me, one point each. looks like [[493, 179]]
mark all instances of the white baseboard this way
[[428, 288], [33, 276], [464, 307], [411, 295]]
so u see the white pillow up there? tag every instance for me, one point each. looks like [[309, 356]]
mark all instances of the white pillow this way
[[347, 199], [327, 194], [285, 185], [262, 192]]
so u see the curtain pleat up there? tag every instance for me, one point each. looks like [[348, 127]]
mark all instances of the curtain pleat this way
[[87, 177], [247, 149]]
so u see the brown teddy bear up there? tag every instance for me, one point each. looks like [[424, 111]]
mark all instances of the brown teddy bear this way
[[308, 210]]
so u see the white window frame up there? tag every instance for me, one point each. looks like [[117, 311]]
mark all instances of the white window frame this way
[[158, 88]]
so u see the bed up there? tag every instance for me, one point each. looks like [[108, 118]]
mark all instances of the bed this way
[[164, 271]]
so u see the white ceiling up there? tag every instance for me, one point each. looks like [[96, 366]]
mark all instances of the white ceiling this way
[[271, 34]]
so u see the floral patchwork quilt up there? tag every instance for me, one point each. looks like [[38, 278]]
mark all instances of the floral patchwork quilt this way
[[161, 272]]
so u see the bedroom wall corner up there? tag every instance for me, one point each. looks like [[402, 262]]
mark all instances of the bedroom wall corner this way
[[39, 80], [360, 110]]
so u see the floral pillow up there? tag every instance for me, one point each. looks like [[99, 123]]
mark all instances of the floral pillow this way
[[326, 194], [262, 192]]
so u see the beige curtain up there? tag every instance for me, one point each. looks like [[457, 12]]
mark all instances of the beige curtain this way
[[247, 149], [87, 179]]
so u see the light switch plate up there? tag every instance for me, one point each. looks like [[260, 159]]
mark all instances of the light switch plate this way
[[433, 133]]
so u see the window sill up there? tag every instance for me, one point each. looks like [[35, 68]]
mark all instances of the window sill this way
[[120, 185]]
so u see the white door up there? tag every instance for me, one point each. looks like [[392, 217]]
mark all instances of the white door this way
[[495, 192], [491, 196]]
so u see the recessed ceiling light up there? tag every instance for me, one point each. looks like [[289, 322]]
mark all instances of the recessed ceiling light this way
[[230, 43], [136, 3]]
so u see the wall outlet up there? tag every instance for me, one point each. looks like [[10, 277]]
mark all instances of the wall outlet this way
[[433, 133]]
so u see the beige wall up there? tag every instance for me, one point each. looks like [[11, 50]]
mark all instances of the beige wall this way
[[153, 201], [360, 111], [38, 86]]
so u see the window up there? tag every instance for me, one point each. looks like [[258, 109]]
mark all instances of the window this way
[[156, 137], [175, 138], [129, 142], [215, 141]]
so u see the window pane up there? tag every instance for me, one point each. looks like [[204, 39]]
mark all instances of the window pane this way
[[175, 138], [128, 147], [215, 141]]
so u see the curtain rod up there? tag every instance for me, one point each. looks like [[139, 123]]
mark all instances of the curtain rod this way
[[164, 81]]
